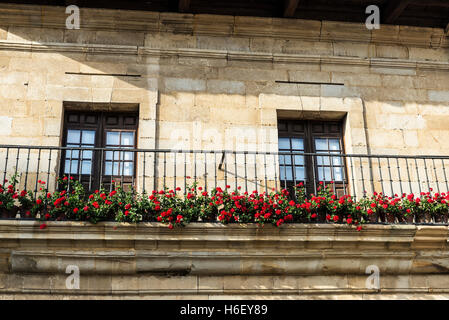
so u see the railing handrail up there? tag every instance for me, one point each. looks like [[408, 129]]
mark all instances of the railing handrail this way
[[209, 151]]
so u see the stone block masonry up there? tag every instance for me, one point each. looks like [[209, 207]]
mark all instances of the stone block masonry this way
[[223, 67]]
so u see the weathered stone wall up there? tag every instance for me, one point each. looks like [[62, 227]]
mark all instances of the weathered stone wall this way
[[214, 261], [210, 82]]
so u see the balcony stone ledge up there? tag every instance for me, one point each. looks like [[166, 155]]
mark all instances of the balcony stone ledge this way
[[207, 260]]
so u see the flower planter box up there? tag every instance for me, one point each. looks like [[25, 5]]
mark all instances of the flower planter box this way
[[8, 214], [441, 218], [390, 218], [373, 218]]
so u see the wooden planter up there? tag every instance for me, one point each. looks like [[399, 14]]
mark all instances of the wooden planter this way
[[148, 216], [390, 218], [405, 217], [8, 214], [373, 218], [441, 217], [61, 217], [409, 219], [321, 217], [209, 218], [382, 216], [24, 215], [423, 217]]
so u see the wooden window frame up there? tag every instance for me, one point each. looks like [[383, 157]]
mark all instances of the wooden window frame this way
[[101, 127], [311, 166]]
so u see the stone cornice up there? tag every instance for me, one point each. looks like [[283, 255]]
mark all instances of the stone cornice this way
[[223, 54], [308, 234], [218, 25], [211, 258], [151, 231], [213, 248]]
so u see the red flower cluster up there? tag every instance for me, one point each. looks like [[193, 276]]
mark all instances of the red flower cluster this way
[[225, 206]]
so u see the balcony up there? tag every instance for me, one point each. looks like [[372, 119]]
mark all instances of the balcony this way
[[350, 176]]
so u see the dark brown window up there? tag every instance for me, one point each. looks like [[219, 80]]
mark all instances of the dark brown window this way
[[100, 130], [311, 137]]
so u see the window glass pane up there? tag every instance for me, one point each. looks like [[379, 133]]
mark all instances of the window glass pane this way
[[321, 144], [112, 138], [127, 139], [87, 154], [334, 144], [116, 155], [71, 167], [286, 173], [281, 173], [297, 144], [86, 167], [129, 155], [299, 160], [108, 168], [88, 137], [324, 174], [281, 160], [73, 136], [323, 160], [338, 174], [127, 168], [337, 160], [72, 154], [299, 172], [284, 143]]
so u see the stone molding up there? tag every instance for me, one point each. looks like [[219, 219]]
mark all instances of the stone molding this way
[[224, 54], [222, 25], [211, 248], [207, 260]]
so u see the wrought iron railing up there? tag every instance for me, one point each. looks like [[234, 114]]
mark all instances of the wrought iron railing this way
[[150, 169]]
